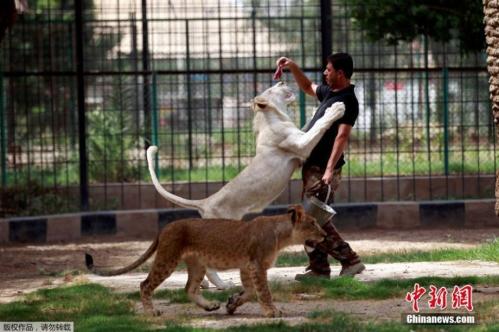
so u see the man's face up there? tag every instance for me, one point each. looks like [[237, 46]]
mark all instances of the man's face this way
[[332, 75]]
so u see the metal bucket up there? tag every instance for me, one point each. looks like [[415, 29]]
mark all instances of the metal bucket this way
[[318, 209]]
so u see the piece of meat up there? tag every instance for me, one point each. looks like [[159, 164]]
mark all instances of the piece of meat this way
[[278, 73]]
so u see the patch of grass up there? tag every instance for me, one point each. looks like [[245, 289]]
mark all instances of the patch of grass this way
[[91, 307], [484, 252], [180, 295], [487, 312], [346, 288], [352, 289], [342, 322], [326, 321], [95, 308]]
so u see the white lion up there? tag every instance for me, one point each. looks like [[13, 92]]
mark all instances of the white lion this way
[[280, 149]]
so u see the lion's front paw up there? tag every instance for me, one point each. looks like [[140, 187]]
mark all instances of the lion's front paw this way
[[336, 111], [152, 312], [212, 306], [273, 312], [232, 304]]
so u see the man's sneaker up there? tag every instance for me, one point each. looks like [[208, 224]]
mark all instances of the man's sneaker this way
[[352, 269], [310, 274]]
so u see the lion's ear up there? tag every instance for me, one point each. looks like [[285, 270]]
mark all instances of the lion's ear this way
[[260, 103], [296, 212]]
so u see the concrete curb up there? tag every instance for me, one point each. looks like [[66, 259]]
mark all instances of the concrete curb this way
[[146, 223]]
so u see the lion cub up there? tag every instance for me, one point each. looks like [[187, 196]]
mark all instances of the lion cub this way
[[223, 244]]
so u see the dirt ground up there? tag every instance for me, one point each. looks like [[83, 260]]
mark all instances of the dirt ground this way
[[26, 268], [38, 261]]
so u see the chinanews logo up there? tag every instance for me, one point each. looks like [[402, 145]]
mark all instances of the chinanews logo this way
[[440, 299]]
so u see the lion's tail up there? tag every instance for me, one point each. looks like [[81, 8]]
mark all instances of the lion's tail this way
[[89, 261], [194, 204]]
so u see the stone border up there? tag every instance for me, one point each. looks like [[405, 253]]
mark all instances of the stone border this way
[[147, 223]]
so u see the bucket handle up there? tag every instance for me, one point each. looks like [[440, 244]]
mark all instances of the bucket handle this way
[[328, 193]]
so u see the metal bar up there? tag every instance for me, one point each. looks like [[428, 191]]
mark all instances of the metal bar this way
[[146, 71], [221, 72], [82, 123], [154, 123], [397, 141], [303, 115], [326, 30], [253, 28], [446, 120], [413, 131], [427, 105], [189, 100], [16, 73], [181, 19], [3, 143]]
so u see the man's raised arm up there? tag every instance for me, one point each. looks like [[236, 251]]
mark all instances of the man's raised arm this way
[[303, 81]]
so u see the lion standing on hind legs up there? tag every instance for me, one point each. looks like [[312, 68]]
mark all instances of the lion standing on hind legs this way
[[280, 149], [223, 244]]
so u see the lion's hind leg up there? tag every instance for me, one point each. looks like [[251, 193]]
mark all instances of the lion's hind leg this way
[[196, 273], [163, 266], [259, 278], [238, 299]]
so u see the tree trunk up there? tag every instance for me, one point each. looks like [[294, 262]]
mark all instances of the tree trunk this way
[[491, 11]]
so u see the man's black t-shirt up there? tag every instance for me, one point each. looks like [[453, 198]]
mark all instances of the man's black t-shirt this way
[[322, 151]]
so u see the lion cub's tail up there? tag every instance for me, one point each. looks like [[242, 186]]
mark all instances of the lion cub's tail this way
[[89, 261]]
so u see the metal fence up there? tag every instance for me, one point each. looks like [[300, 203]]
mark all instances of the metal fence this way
[[87, 85]]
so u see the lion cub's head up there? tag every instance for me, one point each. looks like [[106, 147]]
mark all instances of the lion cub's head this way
[[305, 227]]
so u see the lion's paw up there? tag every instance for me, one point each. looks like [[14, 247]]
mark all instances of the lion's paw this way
[[336, 111], [274, 312], [232, 305], [212, 306]]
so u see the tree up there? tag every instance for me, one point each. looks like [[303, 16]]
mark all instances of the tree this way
[[43, 41], [491, 11], [442, 21]]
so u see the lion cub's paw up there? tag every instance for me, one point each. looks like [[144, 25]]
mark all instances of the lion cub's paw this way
[[152, 312], [232, 304], [212, 306], [274, 312]]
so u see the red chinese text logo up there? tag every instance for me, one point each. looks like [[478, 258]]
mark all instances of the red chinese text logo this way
[[461, 297], [415, 296]]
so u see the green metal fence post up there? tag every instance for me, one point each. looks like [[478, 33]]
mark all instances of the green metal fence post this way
[[154, 119], [427, 93], [3, 145], [302, 109], [428, 111], [446, 119]]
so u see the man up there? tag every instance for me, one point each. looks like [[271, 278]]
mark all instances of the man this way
[[323, 167]]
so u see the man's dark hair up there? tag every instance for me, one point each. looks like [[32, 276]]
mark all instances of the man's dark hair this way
[[342, 61]]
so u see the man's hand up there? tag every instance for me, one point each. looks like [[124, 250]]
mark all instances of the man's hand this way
[[303, 82], [327, 178], [283, 62]]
